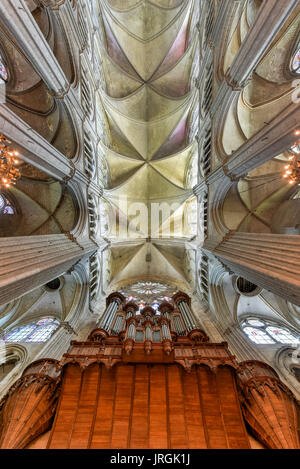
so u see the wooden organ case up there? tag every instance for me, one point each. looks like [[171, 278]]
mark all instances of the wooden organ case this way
[[148, 379]]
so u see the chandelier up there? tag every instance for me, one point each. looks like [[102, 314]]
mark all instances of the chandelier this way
[[9, 174], [292, 170]]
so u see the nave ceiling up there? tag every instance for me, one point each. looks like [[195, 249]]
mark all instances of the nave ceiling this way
[[150, 111]]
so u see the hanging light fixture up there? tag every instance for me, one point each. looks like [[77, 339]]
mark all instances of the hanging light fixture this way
[[292, 170], [9, 174]]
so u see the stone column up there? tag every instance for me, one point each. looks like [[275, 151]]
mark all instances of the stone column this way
[[113, 302], [34, 148], [269, 407], [270, 261], [269, 21], [183, 302], [271, 140], [18, 19], [28, 262]]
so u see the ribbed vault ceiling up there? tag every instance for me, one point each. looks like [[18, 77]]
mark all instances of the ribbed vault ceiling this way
[[149, 105]]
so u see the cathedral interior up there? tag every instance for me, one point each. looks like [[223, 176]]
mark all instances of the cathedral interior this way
[[149, 224]]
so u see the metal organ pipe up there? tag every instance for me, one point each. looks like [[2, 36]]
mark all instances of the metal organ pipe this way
[[187, 315], [131, 331], [178, 325], [148, 333], [165, 332], [118, 325], [108, 316]]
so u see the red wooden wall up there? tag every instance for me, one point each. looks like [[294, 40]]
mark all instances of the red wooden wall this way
[[148, 406]]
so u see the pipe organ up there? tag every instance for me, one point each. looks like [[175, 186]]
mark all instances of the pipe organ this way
[[148, 378]]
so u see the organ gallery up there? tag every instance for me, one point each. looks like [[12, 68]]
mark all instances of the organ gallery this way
[[149, 225], [148, 379]]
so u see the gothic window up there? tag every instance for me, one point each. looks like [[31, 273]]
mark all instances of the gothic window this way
[[204, 286], [94, 276], [209, 19], [148, 293], [90, 165], [83, 27], [281, 335], [92, 209], [296, 61], [86, 93], [246, 288], [205, 160], [258, 336], [207, 99], [40, 331], [6, 207], [263, 332], [54, 285], [3, 70]]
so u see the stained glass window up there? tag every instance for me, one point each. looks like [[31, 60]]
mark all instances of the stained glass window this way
[[40, 331], [260, 332], [255, 322], [150, 293], [6, 207], [281, 335], [258, 336], [296, 61], [3, 70]]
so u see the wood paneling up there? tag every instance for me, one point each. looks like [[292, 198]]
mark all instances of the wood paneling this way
[[148, 406], [84, 418], [213, 422], [67, 407], [101, 436], [175, 402], [158, 429], [192, 407], [122, 406], [139, 434]]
